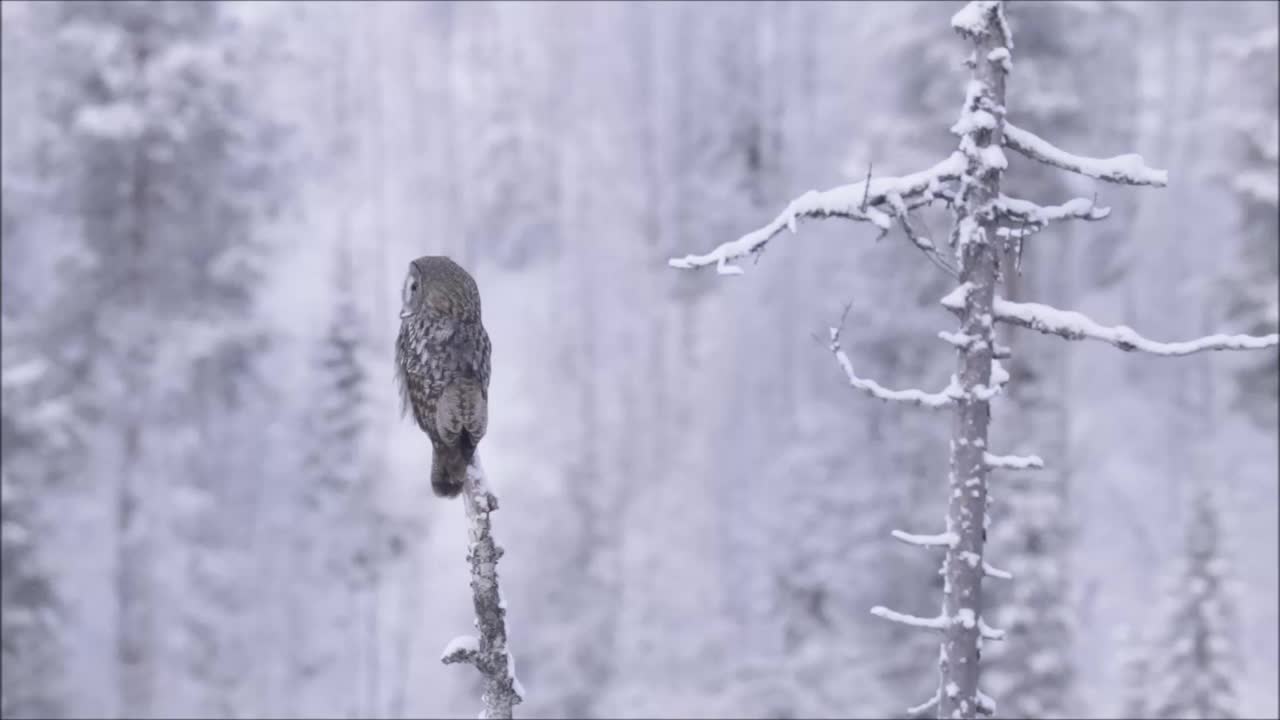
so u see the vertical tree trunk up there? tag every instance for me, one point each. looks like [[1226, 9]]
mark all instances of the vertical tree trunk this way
[[975, 231]]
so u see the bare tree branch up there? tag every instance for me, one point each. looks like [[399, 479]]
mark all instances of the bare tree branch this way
[[489, 653], [845, 201], [945, 539], [1128, 169], [942, 399], [1077, 326]]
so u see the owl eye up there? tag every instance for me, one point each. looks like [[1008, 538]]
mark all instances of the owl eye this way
[[413, 286]]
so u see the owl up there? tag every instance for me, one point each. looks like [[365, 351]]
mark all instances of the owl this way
[[442, 365]]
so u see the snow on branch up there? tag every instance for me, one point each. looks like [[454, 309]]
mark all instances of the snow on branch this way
[[1128, 169], [1012, 462], [946, 539], [992, 571], [986, 704], [987, 632], [464, 648], [934, 623], [1077, 326], [965, 618], [927, 704], [1016, 209], [942, 399], [864, 201], [488, 653]]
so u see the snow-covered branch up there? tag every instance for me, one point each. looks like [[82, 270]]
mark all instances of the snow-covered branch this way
[[934, 623], [1012, 462], [1019, 210], [986, 704], [489, 653], [926, 705], [913, 396], [965, 618], [864, 201], [992, 571], [1077, 326], [987, 632], [1128, 169], [946, 539]]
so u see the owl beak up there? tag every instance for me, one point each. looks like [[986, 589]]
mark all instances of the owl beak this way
[[405, 313]]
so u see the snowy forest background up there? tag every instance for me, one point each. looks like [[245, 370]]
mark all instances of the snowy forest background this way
[[211, 507]]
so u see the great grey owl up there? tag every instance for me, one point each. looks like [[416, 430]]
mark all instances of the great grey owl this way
[[442, 365]]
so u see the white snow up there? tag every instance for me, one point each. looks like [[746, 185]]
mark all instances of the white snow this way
[[1128, 169], [1018, 210], [965, 617], [995, 572], [1076, 326], [934, 623], [917, 709], [988, 632], [460, 646], [1001, 55], [843, 201], [916, 397], [1012, 462], [986, 703], [971, 19], [946, 539]]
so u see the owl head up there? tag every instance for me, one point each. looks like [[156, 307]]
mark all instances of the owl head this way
[[437, 285]]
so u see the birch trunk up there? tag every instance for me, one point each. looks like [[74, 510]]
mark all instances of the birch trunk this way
[[975, 230]]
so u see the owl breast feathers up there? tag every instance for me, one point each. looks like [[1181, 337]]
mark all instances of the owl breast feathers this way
[[442, 365]]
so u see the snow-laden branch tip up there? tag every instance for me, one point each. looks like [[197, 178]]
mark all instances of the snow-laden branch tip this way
[[927, 704], [463, 648], [987, 632], [1128, 169], [934, 623], [1077, 326], [1012, 462], [1028, 217], [971, 21], [489, 652], [942, 399], [986, 704], [863, 201], [992, 571], [946, 539]]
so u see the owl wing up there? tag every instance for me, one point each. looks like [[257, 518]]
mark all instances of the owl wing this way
[[402, 381]]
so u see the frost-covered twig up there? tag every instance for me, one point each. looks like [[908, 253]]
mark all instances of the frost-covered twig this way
[[1128, 169], [1017, 209], [903, 213], [939, 622], [1012, 462], [927, 704], [913, 396], [845, 201], [946, 539], [1077, 326], [987, 632], [986, 704], [992, 571], [489, 653]]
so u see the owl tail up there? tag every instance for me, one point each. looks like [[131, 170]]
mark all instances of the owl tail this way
[[448, 471]]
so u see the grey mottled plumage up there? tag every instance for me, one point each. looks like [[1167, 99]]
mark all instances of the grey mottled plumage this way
[[442, 365]]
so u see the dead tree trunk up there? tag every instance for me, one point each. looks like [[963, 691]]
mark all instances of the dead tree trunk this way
[[489, 652], [988, 225], [975, 234]]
